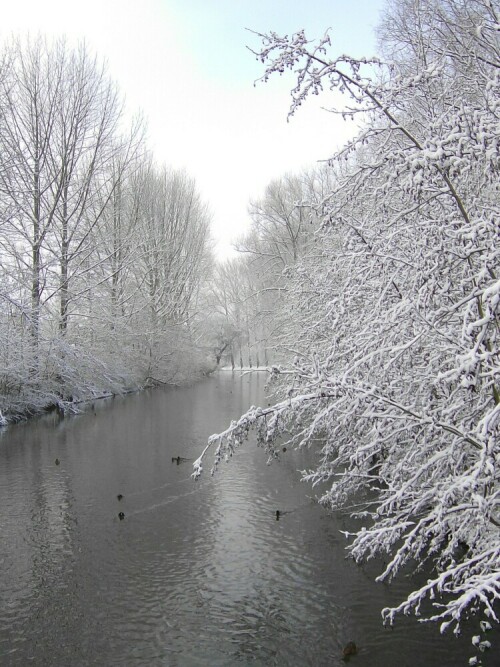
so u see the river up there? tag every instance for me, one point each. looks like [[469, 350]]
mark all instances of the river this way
[[195, 573]]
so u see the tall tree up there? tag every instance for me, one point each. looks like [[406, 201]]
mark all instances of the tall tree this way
[[92, 236], [30, 190]]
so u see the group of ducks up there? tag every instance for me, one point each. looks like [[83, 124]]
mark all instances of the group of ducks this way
[[175, 459], [349, 649], [121, 515]]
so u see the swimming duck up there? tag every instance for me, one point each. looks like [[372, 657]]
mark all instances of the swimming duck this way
[[119, 496], [179, 459], [349, 649], [57, 462], [278, 514], [121, 516]]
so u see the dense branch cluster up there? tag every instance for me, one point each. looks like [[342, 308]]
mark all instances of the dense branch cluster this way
[[247, 290], [103, 253], [395, 372]]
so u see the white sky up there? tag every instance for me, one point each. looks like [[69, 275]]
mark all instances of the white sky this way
[[185, 65]]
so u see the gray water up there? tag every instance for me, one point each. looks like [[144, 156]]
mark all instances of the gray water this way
[[197, 573]]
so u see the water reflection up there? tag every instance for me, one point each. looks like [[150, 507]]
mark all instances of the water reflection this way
[[195, 573]]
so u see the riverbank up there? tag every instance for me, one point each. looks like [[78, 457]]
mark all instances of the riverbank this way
[[20, 401]]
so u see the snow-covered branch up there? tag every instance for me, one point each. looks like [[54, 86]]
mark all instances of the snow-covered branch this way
[[396, 330]]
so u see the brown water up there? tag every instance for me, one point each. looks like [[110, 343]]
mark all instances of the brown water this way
[[197, 573]]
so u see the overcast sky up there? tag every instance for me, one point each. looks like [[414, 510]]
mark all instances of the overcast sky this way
[[185, 65]]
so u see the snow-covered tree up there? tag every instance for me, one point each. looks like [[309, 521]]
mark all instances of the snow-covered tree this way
[[280, 223], [92, 237], [396, 364], [282, 226]]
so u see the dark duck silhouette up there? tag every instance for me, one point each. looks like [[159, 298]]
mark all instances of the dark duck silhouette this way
[[121, 516], [119, 496], [349, 650], [179, 459]]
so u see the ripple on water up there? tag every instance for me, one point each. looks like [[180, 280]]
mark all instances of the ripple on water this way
[[196, 573]]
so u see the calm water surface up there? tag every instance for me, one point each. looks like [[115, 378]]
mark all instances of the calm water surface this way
[[197, 573]]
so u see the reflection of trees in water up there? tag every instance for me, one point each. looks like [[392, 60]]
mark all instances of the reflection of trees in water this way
[[51, 539], [52, 519], [38, 519]]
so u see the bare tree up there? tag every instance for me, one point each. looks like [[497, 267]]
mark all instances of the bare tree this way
[[92, 236], [30, 190]]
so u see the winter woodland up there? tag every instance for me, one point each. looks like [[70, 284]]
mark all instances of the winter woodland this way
[[369, 285]]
